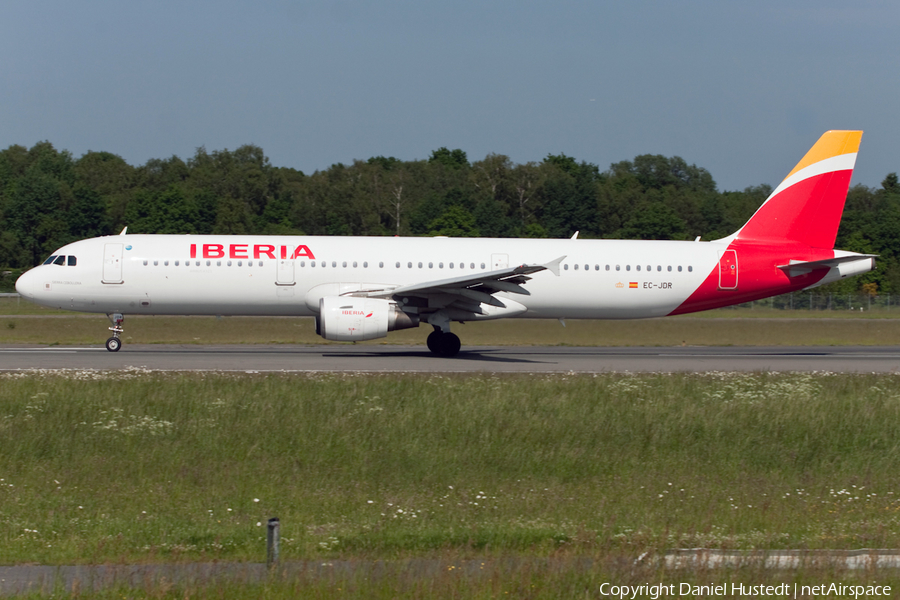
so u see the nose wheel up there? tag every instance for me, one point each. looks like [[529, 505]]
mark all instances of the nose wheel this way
[[113, 344]]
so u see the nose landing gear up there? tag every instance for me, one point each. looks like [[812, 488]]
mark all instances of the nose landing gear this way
[[113, 344]]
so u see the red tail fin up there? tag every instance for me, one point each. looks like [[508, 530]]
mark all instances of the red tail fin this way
[[808, 204]]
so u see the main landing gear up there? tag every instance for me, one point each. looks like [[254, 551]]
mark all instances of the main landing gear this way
[[442, 343], [114, 343]]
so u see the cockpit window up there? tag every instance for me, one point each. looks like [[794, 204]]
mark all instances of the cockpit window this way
[[72, 261], [50, 260], [60, 260]]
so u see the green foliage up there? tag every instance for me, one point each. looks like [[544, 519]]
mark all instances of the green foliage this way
[[386, 164], [168, 211], [655, 221], [456, 221], [47, 199], [454, 159]]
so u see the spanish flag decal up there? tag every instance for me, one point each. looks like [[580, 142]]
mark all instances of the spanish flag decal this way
[[632, 285]]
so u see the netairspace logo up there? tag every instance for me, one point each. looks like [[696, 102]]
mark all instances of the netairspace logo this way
[[733, 590]]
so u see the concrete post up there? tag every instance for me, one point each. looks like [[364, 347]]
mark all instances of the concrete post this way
[[273, 540]]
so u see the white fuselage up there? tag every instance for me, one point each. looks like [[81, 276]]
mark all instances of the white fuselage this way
[[246, 275]]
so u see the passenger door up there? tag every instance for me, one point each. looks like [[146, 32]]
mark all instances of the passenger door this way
[[728, 270], [112, 263]]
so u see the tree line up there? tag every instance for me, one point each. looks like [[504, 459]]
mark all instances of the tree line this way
[[49, 198]]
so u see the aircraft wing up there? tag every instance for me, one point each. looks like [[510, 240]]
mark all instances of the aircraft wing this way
[[800, 267], [467, 292]]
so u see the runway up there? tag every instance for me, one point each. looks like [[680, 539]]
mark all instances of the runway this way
[[24, 579], [417, 359]]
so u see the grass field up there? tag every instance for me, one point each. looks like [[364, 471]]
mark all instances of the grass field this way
[[763, 309], [136, 467], [673, 331], [132, 466], [21, 324]]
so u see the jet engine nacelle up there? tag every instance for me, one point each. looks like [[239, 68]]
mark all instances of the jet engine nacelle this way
[[349, 319]]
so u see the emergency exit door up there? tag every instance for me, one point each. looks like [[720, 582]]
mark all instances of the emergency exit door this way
[[285, 273], [728, 270]]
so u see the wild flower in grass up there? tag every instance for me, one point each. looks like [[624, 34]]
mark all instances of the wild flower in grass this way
[[754, 389], [115, 420], [329, 544]]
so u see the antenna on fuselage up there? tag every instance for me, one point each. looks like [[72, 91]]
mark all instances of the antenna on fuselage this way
[[124, 230]]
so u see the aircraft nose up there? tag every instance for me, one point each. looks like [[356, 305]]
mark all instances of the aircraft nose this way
[[25, 284]]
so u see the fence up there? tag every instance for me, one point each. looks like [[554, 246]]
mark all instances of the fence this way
[[823, 302]]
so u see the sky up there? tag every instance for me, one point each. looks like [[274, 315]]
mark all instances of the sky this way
[[741, 89]]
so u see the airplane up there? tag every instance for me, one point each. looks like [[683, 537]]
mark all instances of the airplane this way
[[361, 288]]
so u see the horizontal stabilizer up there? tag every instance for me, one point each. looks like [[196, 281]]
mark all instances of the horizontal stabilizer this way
[[796, 268]]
